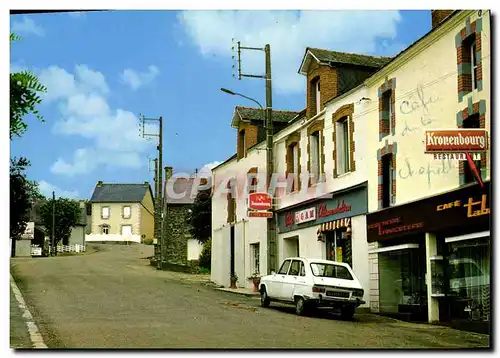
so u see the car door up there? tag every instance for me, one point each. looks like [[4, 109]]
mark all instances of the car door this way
[[290, 280], [277, 283]]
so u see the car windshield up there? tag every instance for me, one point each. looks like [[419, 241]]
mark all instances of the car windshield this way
[[330, 270]]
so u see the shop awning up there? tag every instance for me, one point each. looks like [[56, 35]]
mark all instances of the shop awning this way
[[334, 225]]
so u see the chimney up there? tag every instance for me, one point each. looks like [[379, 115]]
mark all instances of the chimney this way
[[168, 172], [439, 15], [99, 183]]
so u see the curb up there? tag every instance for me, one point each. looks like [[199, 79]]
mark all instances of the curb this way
[[241, 293]]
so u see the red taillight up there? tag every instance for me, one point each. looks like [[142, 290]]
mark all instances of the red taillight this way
[[318, 289]]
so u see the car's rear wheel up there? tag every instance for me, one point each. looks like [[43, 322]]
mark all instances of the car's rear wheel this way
[[300, 306], [347, 312], [264, 298]]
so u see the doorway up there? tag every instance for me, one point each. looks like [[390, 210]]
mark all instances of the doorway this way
[[291, 247]]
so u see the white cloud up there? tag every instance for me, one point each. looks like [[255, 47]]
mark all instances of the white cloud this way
[[138, 79], [288, 33], [207, 168], [62, 84], [114, 133], [46, 189], [27, 26]]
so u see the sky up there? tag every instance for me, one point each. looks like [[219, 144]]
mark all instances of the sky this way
[[104, 69]]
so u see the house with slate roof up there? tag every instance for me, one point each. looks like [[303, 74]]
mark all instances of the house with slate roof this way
[[121, 213]]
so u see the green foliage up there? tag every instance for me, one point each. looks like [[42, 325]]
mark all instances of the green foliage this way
[[25, 90], [205, 260], [148, 241], [67, 215], [201, 216], [22, 194]]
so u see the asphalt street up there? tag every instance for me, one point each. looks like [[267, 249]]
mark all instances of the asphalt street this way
[[113, 298]]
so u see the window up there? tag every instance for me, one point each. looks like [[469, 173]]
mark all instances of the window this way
[[473, 62], [105, 229], [318, 96], [387, 107], [387, 173], [293, 153], [295, 268], [105, 212], [302, 269], [255, 251], [126, 230], [127, 212], [315, 154], [252, 182], [330, 270], [342, 145], [284, 268], [471, 122]]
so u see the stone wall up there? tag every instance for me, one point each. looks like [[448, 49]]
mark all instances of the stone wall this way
[[176, 233]]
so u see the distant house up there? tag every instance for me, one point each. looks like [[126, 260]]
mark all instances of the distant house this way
[[77, 236], [180, 247], [121, 213]]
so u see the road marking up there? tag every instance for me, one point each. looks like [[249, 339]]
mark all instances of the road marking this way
[[35, 336]]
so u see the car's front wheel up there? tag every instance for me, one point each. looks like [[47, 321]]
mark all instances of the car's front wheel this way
[[264, 298], [300, 306]]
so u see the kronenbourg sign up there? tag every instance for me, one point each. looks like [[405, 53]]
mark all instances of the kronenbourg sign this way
[[260, 201]]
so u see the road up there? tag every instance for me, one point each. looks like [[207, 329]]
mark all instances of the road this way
[[112, 298]]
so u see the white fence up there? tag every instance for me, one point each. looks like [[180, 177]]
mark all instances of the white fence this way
[[112, 238], [36, 250]]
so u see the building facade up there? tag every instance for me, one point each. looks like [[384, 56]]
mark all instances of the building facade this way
[[363, 131], [410, 95], [121, 213]]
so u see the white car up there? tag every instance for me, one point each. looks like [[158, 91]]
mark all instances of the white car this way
[[310, 283]]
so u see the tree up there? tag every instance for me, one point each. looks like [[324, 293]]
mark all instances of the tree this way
[[22, 194], [25, 91], [201, 216], [67, 215], [205, 259]]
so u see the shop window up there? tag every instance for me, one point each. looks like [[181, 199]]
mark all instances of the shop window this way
[[471, 122], [387, 173], [402, 286], [469, 280], [338, 246], [255, 252]]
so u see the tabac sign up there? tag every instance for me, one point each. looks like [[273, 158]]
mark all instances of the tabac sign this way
[[463, 209]]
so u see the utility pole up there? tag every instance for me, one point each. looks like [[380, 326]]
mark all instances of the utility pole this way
[[158, 186], [54, 248], [157, 253], [271, 222]]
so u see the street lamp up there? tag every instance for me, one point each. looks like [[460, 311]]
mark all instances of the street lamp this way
[[249, 98]]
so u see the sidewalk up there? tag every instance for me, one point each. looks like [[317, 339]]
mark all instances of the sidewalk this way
[[241, 291], [19, 335]]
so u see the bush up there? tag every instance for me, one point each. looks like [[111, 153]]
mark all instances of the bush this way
[[206, 255]]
